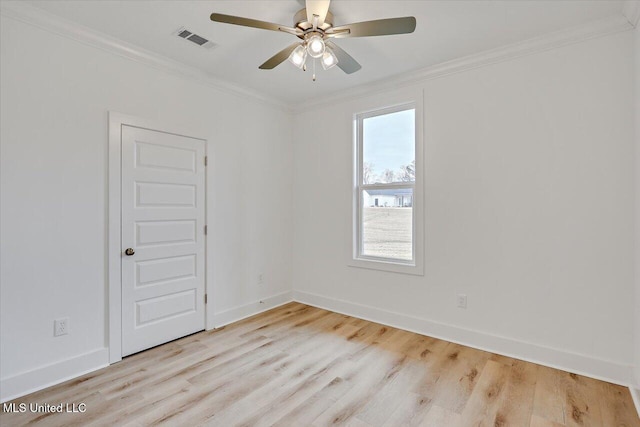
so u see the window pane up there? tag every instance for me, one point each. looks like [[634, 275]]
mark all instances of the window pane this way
[[388, 148], [387, 223]]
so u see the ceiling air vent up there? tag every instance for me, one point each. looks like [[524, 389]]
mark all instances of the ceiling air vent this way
[[183, 33]]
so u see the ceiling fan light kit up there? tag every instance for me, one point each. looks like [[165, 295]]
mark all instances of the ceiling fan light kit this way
[[329, 59], [299, 56], [315, 46], [314, 27]]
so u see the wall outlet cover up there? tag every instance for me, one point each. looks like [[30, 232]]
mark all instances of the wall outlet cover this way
[[61, 326], [462, 301]]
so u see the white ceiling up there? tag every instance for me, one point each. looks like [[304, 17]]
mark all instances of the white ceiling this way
[[445, 30]]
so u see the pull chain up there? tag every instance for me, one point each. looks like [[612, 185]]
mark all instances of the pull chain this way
[[314, 69]]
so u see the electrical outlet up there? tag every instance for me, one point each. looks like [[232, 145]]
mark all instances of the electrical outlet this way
[[61, 327], [462, 301], [260, 278]]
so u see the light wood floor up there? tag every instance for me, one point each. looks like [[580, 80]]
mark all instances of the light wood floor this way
[[301, 366]]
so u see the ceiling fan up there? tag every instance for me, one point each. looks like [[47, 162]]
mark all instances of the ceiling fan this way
[[314, 27]]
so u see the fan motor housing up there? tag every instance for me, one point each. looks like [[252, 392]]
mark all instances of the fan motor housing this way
[[300, 21]]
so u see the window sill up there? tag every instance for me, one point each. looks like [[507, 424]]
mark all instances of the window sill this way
[[388, 266]]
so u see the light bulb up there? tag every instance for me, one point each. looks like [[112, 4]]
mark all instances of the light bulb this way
[[329, 59], [298, 56], [315, 46]]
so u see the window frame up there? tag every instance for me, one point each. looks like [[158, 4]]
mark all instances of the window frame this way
[[358, 259]]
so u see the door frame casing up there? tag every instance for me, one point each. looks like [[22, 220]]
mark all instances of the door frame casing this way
[[114, 214]]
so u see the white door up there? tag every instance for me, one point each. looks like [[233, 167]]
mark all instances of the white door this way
[[163, 232]]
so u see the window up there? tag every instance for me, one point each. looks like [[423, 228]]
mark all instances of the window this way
[[385, 189]]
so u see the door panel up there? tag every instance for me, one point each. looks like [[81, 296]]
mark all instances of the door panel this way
[[165, 307], [165, 157], [165, 232], [151, 194], [162, 270], [163, 218]]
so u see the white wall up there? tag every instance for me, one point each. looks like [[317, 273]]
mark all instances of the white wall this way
[[55, 97], [529, 195]]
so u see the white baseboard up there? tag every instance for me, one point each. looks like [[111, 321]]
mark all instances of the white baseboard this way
[[556, 358], [46, 376], [247, 310]]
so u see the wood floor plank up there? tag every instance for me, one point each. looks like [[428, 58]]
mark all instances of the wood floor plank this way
[[455, 385], [298, 379], [411, 412], [368, 377], [516, 404], [484, 403], [440, 417], [537, 421], [582, 401], [549, 398], [434, 366], [298, 365], [420, 347], [616, 406], [391, 397], [319, 402]]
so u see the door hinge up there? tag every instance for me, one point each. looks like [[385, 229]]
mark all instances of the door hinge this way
[[205, 230], [205, 298], [206, 160]]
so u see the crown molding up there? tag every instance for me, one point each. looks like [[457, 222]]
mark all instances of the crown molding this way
[[598, 28], [44, 20]]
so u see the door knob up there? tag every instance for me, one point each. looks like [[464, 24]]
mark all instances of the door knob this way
[[129, 251]]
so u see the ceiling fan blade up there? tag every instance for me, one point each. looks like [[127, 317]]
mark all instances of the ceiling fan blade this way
[[278, 58], [380, 27], [317, 7], [254, 23], [345, 61]]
